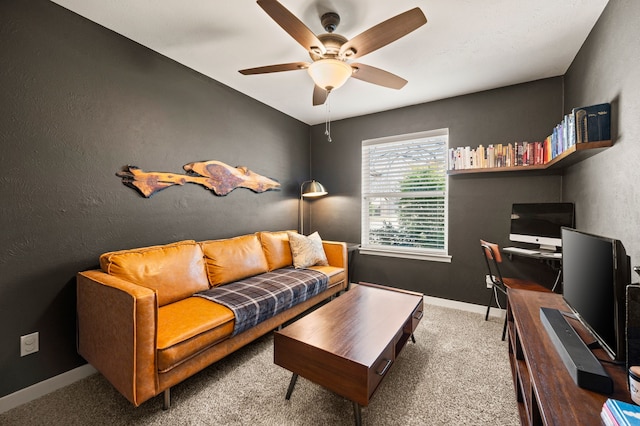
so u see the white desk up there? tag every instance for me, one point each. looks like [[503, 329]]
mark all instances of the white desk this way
[[537, 254], [553, 259]]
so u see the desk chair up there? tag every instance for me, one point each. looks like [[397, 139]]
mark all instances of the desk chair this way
[[493, 258]]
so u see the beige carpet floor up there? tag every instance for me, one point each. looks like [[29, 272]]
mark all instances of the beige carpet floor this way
[[457, 373]]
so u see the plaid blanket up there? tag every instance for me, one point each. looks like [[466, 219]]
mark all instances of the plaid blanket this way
[[256, 299]]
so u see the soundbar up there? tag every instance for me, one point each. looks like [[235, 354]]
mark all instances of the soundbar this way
[[583, 366]]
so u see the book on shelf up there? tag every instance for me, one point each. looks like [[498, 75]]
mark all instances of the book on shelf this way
[[584, 124], [592, 123], [619, 413], [498, 155]]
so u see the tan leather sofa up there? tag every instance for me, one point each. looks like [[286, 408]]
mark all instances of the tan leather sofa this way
[[140, 326]]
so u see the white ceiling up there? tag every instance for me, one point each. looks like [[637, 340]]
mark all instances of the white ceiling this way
[[465, 47]]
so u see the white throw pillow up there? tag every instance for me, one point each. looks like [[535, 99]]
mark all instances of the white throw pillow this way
[[307, 251]]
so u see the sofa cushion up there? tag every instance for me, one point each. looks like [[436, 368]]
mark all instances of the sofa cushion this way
[[334, 273], [233, 259], [276, 249], [174, 271], [189, 326], [307, 251]]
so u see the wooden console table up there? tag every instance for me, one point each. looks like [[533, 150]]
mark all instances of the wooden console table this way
[[546, 393]]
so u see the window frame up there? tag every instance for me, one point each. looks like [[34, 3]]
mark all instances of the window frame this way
[[437, 255]]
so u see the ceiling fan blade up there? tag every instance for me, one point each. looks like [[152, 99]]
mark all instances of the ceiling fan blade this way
[[292, 66], [377, 76], [292, 25], [319, 95], [384, 33]]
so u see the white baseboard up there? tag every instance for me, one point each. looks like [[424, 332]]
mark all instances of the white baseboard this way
[[46, 386], [464, 306]]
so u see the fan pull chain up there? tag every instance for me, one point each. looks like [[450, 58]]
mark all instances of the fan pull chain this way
[[327, 122]]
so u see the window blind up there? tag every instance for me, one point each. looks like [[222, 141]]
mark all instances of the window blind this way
[[404, 193]]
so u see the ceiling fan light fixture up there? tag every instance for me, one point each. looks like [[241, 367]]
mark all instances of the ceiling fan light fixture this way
[[329, 74], [350, 52]]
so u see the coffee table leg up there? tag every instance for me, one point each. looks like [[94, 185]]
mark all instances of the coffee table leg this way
[[413, 338], [357, 413], [292, 383]]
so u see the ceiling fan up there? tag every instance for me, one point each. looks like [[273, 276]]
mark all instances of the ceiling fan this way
[[331, 52]]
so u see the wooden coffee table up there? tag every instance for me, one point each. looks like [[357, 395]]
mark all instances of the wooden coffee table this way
[[349, 344]]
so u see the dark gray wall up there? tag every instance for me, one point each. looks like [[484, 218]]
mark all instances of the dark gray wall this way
[[605, 187], [479, 205], [78, 103]]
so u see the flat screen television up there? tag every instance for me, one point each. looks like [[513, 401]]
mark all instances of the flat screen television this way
[[540, 223], [596, 271]]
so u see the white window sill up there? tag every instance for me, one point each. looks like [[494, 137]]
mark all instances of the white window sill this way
[[445, 258]]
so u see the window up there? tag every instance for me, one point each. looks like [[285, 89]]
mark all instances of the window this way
[[404, 196]]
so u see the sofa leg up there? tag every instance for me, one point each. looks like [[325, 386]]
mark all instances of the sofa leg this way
[[167, 399]]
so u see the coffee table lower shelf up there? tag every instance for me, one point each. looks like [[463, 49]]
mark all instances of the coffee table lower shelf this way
[[349, 345]]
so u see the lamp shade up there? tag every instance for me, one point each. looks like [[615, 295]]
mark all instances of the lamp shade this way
[[329, 74], [312, 189]]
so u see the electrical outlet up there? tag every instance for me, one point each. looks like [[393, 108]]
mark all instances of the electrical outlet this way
[[29, 344], [489, 282]]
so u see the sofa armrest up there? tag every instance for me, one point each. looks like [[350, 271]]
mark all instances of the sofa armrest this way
[[336, 252], [117, 329]]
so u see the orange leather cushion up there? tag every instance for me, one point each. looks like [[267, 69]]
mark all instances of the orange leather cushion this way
[[334, 273], [174, 271], [189, 326], [276, 249], [233, 259]]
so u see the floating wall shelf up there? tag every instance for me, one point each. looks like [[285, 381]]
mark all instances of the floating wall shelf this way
[[572, 155]]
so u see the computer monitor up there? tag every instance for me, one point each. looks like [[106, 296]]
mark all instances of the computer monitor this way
[[596, 273], [540, 223]]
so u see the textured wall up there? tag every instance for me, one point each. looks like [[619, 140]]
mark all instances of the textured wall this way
[[605, 187], [78, 103], [479, 205]]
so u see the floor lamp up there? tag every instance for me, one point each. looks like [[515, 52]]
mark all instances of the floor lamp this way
[[309, 189]]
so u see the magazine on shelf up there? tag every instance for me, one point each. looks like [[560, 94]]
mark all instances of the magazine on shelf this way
[[621, 413]]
